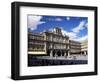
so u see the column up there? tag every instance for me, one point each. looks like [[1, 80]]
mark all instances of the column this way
[[51, 46], [68, 54], [55, 55], [61, 53], [45, 43], [51, 53], [65, 54], [45, 47], [84, 52]]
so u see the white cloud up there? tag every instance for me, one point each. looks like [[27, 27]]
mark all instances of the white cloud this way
[[74, 36], [86, 25], [68, 18], [33, 21], [80, 39], [81, 26], [51, 29], [71, 35], [58, 19]]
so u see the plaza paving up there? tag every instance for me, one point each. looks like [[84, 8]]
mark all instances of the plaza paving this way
[[60, 60], [72, 57]]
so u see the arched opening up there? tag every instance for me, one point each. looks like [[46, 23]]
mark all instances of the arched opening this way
[[53, 53], [86, 52], [62, 53], [48, 52], [59, 53]]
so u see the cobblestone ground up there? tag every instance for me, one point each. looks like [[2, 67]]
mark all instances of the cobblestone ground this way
[[72, 57], [59, 60]]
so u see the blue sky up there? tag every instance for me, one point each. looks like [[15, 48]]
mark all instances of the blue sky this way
[[75, 27]]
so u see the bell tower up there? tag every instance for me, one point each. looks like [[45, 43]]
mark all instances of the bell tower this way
[[58, 31]]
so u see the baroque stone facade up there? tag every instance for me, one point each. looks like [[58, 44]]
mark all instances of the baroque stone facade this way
[[84, 47], [52, 43]]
